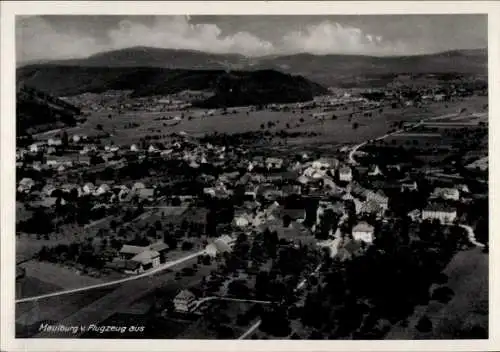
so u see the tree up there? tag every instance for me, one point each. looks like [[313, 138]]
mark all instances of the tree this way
[[355, 125], [287, 220], [275, 322], [113, 224], [238, 288], [206, 260], [186, 246], [158, 225], [65, 139], [224, 332], [99, 127], [424, 324], [443, 294]]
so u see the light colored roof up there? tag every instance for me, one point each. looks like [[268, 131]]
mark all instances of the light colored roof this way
[[363, 227], [303, 179], [274, 160], [146, 256], [158, 246], [439, 207], [185, 295], [26, 180], [370, 206], [132, 249], [146, 192], [138, 185]]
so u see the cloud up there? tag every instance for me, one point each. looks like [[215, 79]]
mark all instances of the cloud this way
[[179, 33], [37, 38], [334, 38]]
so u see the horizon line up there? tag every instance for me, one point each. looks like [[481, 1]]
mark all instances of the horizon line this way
[[46, 61]]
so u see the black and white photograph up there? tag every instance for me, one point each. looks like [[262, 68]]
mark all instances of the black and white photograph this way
[[251, 177]]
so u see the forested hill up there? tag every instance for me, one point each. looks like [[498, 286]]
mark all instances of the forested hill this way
[[234, 88]]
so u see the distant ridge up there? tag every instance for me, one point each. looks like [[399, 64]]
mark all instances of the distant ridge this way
[[324, 69]]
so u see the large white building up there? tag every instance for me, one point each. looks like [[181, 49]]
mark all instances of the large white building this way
[[444, 214], [345, 174], [363, 232]]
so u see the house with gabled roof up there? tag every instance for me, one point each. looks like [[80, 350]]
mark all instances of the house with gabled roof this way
[[185, 301], [345, 174], [363, 232]]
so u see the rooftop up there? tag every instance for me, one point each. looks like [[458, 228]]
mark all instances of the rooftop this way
[[363, 226], [128, 249], [439, 207]]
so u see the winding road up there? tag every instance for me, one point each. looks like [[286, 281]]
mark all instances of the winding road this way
[[471, 235]]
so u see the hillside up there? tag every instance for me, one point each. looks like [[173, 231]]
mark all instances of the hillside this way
[[236, 88], [325, 69], [37, 111]]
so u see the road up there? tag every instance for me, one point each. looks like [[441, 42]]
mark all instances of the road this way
[[471, 235], [116, 282], [250, 331], [220, 298], [352, 161]]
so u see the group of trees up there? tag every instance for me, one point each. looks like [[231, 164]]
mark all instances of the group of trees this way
[[80, 253], [362, 297]]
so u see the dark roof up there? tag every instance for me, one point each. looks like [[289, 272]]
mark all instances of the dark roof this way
[[293, 213], [116, 264], [132, 265], [352, 246]]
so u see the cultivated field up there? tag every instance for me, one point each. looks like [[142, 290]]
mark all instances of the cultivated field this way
[[339, 130], [56, 276]]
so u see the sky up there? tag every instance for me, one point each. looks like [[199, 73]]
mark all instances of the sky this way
[[77, 36]]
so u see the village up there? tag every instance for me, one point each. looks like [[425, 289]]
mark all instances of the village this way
[[109, 212]]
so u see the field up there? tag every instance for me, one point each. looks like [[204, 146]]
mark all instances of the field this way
[[29, 315], [98, 305], [55, 278], [468, 278], [30, 286], [339, 130]]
